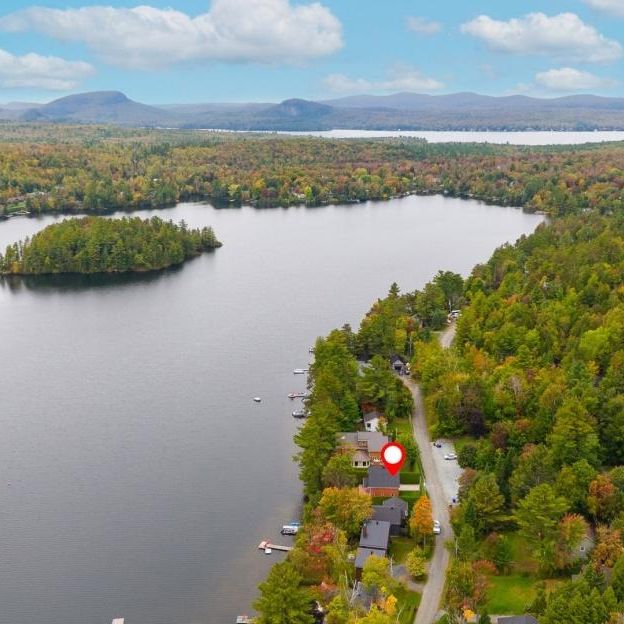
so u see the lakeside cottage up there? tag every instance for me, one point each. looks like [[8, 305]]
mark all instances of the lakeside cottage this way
[[363, 446], [379, 482]]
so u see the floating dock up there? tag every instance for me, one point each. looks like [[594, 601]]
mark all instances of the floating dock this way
[[267, 544]]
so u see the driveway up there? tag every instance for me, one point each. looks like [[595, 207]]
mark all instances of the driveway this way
[[440, 478]]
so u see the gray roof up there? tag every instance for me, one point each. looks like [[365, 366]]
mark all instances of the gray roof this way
[[393, 515], [517, 619], [364, 553], [396, 503], [379, 477], [375, 534], [371, 416], [374, 440]]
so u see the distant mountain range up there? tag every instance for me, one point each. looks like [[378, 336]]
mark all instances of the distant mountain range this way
[[405, 111]]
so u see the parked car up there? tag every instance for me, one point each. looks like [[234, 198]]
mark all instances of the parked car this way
[[437, 529], [450, 456], [437, 444]]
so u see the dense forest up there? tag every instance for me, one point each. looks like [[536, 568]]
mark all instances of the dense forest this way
[[100, 245], [99, 170], [532, 392]]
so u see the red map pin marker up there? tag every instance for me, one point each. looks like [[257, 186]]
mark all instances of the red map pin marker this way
[[393, 457]]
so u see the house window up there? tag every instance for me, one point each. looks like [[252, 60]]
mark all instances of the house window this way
[[356, 464]]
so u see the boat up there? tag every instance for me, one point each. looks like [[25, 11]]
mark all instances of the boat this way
[[267, 551], [297, 395], [299, 414], [257, 399], [243, 619], [300, 371], [311, 350]]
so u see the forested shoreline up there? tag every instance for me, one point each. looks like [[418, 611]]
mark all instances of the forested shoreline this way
[[533, 395], [100, 245], [101, 170]]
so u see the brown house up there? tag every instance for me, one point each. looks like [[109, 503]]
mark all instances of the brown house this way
[[363, 446]]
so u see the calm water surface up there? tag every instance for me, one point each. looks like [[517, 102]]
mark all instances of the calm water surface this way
[[513, 138], [136, 474]]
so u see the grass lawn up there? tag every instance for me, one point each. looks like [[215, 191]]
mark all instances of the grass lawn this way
[[522, 560], [510, 594], [410, 477], [400, 546], [407, 605]]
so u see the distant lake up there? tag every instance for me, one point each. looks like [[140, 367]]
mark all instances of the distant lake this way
[[513, 138], [137, 474]]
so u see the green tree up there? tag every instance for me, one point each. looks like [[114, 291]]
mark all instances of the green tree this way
[[538, 516], [282, 599], [416, 563], [574, 435], [338, 472], [488, 503], [346, 509]]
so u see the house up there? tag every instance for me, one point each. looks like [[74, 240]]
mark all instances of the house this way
[[362, 556], [375, 534], [379, 482], [392, 515], [372, 421], [363, 446], [398, 503], [398, 365], [516, 619]]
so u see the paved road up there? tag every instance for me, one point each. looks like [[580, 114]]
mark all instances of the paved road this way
[[429, 609]]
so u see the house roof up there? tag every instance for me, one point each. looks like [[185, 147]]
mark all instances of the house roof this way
[[517, 619], [393, 515], [379, 477], [360, 456], [396, 503], [374, 440], [375, 534], [371, 416], [364, 553], [395, 358]]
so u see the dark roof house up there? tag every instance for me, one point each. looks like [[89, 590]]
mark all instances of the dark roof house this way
[[397, 503], [375, 534], [392, 515]]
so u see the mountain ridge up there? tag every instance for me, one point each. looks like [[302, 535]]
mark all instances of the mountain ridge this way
[[405, 111]]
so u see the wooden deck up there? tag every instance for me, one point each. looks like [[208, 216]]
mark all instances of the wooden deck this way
[[266, 544]]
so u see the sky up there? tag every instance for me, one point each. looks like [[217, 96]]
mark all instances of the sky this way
[[184, 51]]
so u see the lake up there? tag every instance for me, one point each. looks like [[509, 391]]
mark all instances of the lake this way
[[137, 474], [513, 138]]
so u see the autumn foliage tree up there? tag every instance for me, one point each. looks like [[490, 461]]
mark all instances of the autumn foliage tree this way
[[421, 518]]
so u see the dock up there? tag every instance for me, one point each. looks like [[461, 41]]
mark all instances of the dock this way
[[266, 544]]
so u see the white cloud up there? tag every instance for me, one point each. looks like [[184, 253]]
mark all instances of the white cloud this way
[[616, 7], [563, 36], [423, 26], [401, 79], [265, 31], [570, 79], [41, 72]]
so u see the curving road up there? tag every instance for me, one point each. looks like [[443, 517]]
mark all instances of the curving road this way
[[429, 609]]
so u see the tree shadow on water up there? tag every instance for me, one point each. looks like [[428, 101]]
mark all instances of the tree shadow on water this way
[[76, 282]]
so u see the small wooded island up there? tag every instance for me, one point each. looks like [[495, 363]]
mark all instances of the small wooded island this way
[[100, 245]]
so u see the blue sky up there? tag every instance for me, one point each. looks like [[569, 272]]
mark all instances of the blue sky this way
[[269, 50]]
